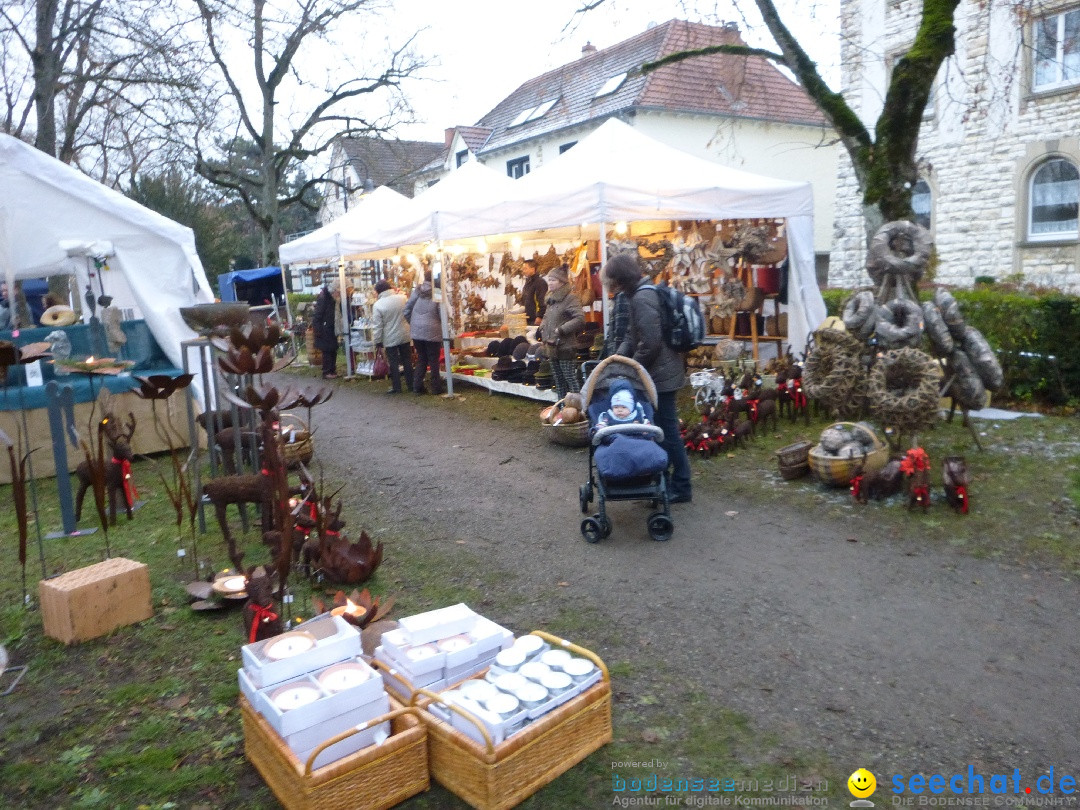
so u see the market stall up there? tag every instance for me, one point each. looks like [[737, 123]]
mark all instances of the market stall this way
[[128, 272]]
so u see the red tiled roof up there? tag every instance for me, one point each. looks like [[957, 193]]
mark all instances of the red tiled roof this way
[[719, 84]]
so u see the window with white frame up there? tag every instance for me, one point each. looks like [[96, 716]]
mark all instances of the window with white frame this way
[[1053, 200], [922, 204], [518, 167], [1057, 51]]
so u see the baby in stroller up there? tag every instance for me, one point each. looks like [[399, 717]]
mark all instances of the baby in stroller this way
[[626, 460]]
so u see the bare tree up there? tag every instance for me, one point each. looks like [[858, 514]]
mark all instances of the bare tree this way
[[286, 39], [97, 83], [884, 160]]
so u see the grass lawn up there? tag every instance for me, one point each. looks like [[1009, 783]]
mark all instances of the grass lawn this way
[[147, 717]]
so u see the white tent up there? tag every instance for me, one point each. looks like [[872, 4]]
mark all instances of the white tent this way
[[344, 236], [616, 174], [56, 220]]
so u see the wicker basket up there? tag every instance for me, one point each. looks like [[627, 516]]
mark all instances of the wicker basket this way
[[575, 434], [495, 777], [794, 460], [838, 472], [375, 777], [300, 449], [314, 356]]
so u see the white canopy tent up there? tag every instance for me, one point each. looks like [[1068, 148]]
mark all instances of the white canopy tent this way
[[343, 236], [616, 174], [55, 220]]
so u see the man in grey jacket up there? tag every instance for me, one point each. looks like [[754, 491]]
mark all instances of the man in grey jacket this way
[[644, 342], [391, 333]]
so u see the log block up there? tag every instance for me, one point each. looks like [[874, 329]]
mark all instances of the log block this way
[[92, 601]]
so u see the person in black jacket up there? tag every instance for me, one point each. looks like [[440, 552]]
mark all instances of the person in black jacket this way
[[533, 294], [322, 324], [644, 342]]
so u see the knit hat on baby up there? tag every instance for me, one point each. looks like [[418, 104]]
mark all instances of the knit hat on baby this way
[[623, 398]]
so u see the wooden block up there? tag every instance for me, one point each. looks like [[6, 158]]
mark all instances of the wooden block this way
[[92, 601]]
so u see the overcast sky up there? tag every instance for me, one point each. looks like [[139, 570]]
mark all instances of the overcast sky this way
[[481, 50]]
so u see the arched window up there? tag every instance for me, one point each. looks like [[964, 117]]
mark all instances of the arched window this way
[[1055, 194], [922, 204]]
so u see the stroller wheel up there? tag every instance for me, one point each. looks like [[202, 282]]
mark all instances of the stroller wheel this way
[[585, 496], [661, 527], [605, 525], [591, 530]]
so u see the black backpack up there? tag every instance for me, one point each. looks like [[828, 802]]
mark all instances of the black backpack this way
[[683, 323]]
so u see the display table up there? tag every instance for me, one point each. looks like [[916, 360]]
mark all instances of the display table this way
[[502, 387]]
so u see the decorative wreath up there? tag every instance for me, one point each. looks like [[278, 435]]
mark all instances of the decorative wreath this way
[[982, 357], [899, 324], [860, 314], [833, 373], [950, 312], [967, 387], [899, 248], [941, 339], [902, 389]]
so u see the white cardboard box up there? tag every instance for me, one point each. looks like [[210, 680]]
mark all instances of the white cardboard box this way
[[436, 624], [469, 668], [490, 636], [335, 640], [350, 745], [429, 676], [329, 705], [309, 738]]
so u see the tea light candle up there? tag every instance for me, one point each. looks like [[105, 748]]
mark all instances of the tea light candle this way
[[504, 705], [350, 610], [510, 659], [534, 670], [528, 645], [233, 584], [343, 676], [289, 644], [556, 682], [555, 658], [454, 643], [294, 696], [477, 690], [510, 682], [421, 652], [532, 695], [579, 668]]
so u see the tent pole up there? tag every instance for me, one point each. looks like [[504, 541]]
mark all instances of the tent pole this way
[[444, 307], [344, 305], [288, 310], [605, 307]]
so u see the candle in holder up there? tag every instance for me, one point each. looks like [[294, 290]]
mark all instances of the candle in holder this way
[[350, 611], [294, 696], [421, 652], [344, 676], [289, 644], [454, 643]]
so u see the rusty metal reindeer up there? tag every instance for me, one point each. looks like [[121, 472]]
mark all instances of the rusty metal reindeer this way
[[117, 468]]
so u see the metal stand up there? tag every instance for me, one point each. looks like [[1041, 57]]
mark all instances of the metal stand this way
[[209, 386], [60, 400]]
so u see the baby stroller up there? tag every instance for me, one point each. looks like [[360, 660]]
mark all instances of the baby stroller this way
[[628, 467]]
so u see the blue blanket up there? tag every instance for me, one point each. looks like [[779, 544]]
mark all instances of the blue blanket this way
[[630, 457]]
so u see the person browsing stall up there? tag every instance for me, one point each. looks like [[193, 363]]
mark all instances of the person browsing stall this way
[[644, 342], [425, 321], [563, 320], [533, 294], [323, 325], [390, 331]]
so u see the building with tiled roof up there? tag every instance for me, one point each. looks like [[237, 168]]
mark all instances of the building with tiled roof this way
[[741, 112], [361, 164]]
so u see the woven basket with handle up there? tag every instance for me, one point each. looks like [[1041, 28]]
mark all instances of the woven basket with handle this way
[[296, 444], [838, 472]]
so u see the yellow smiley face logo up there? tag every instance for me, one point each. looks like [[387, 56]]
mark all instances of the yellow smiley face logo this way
[[861, 783]]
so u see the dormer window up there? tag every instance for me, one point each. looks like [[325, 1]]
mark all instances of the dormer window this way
[[611, 85], [532, 113]]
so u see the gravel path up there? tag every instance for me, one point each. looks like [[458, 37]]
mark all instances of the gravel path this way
[[884, 653]]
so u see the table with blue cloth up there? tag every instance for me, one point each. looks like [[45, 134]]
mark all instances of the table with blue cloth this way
[[141, 348]]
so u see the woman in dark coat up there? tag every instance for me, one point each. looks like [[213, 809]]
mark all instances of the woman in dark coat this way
[[322, 324], [425, 324], [563, 320], [645, 343]]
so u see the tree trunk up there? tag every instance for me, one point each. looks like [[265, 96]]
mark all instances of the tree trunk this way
[[46, 75]]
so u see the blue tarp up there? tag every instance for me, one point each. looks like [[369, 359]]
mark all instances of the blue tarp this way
[[265, 280]]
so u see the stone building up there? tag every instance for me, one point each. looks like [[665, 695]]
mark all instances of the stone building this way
[[999, 152]]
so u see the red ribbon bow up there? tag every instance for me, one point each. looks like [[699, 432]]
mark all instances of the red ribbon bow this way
[[961, 493], [130, 493], [856, 486], [262, 614]]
